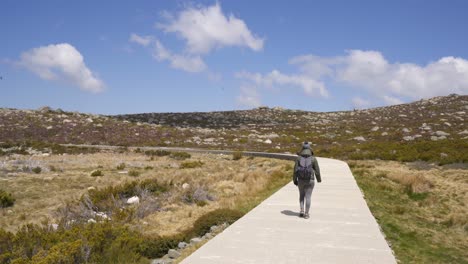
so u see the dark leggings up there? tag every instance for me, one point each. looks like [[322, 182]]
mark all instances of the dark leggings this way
[[305, 191]]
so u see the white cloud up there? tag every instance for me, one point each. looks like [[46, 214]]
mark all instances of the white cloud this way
[[207, 28], [142, 40], [391, 100], [249, 97], [390, 82], [360, 103], [187, 63], [61, 62], [275, 78]]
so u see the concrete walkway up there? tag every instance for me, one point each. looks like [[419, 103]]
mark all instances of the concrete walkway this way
[[341, 229]]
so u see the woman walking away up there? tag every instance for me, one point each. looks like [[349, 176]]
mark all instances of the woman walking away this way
[[304, 170]]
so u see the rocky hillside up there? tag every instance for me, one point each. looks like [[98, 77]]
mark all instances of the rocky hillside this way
[[434, 130]]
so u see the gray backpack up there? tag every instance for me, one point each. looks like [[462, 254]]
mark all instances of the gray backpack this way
[[304, 170]]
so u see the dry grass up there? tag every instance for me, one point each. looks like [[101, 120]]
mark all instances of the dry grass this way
[[422, 210], [38, 196]]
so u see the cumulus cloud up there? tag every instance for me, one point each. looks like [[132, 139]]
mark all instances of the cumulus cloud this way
[[249, 97], [275, 78], [208, 28], [61, 62], [390, 81], [142, 40], [187, 63]]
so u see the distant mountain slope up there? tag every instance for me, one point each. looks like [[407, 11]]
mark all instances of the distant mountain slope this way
[[435, 129]]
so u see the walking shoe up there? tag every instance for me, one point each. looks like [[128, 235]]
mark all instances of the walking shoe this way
[[306, 216], [301, 214]]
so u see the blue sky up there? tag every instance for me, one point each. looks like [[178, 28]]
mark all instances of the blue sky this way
[[112, 57]]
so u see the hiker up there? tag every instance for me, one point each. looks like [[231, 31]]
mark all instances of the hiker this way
[[303, 177]]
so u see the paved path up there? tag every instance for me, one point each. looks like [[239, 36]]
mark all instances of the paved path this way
[[341, 228]]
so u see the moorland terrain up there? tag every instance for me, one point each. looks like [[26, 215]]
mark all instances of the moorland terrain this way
[[409, 160]]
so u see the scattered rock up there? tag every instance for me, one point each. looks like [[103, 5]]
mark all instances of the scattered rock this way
[[185, 185], [133, 200], [406, 130], [384, 134], [268, 141], [360, 138], [45, 109], [172, 253], [102, 215], [464, 132], [443, 155], [375, 128], [182, 245], [441, 133], [208, 236], [91, 220], [408, 138], [158, 261], [195, 240]]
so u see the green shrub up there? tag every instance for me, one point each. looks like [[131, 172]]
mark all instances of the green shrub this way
[[156, 247], [149, 168], [121, 166], [191, 164], [104, 242], [96, 173], [180, 155], [216, 217], [36, 170], [158, 153], [237, 155], [6, 199], [133, 173]]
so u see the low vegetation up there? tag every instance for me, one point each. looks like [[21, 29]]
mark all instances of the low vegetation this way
[[180, 155], [421, 208], [93, 221], [237, 155], [96, 173], [191, 164], [6, 199]]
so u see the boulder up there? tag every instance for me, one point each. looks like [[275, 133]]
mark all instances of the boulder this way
[[441, 133], [172, 253], [182, 245], [133, 200], [360, 138]]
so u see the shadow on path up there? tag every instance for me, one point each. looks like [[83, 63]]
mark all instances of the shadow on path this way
[[290, 213]]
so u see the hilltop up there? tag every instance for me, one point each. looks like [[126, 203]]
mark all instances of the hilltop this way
[[434, 130]]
